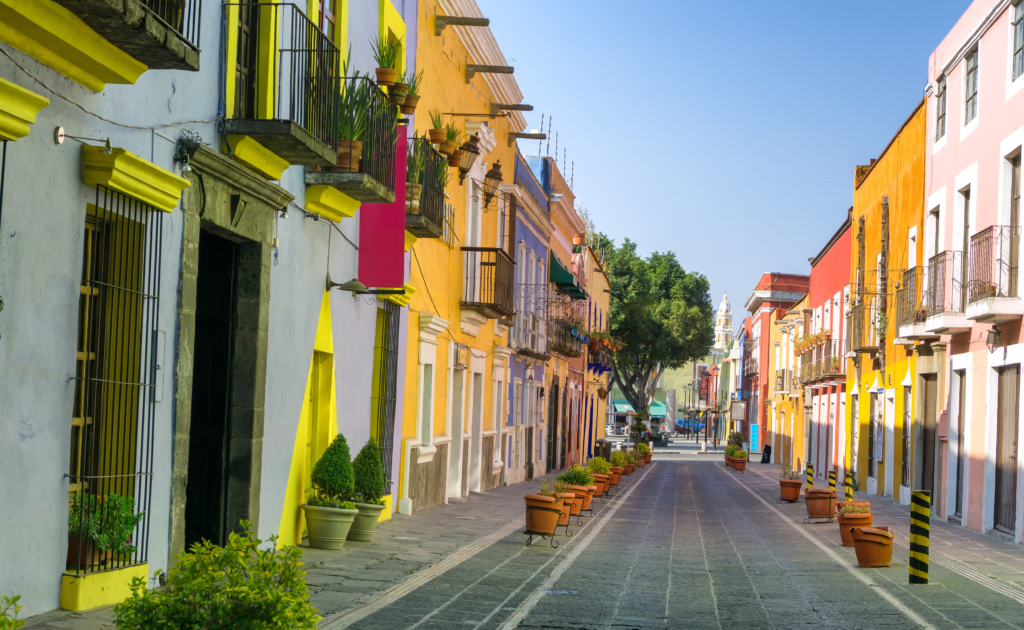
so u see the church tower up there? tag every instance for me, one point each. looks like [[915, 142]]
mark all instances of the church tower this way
[[723, 325]]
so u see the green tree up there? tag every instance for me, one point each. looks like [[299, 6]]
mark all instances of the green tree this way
[[660, 313]]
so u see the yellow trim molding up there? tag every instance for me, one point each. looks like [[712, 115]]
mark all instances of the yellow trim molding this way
[[18, 109], [94, 590], [125, 172], [410, 240], [60, 39], [330, 202], [385, 514], [392, 26], [255, 156], [401, 300]]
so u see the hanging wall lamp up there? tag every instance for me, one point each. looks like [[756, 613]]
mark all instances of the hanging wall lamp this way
[[491, 183]]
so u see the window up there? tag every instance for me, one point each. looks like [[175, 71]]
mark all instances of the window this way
[[519, 402], [327, 11], [907, 421], [1018, 40], [940, 109], [385, 381], [971, 88]]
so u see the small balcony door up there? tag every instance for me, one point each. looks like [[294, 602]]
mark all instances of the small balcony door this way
[[961, 457], [1014, 224], [1006, 447]]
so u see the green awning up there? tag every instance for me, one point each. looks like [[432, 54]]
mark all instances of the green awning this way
[[559, 274], [657, 409], [621, 406]]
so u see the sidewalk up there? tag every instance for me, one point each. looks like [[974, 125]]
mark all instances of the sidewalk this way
[[342, 580], [985, 558]]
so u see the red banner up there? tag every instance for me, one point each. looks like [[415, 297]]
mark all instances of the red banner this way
[[382, 231]]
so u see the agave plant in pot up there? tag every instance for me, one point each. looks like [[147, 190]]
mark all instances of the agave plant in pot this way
[[353, 119], [412, 97], [370, 488], [452, 135], [436, 132], [328, 508], [414, 171], [386, 52]]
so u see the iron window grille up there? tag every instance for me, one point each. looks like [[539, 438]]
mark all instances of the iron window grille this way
[[1018, 40], [114, 410], [385, 363], [364, 110], [301, 84], [971, 88], [940, 109], [994, 261], [184, 17]]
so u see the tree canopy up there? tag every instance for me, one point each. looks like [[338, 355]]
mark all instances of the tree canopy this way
[[660, 314]]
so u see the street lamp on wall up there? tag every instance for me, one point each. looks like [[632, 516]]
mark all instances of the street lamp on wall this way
[[491, 182]]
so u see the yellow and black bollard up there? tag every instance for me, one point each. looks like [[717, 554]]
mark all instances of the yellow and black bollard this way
[[849, 487], [810, 476], [832, 480], [920, 517]]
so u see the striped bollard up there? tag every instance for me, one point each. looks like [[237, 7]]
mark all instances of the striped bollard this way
[[920, 517], [810, 476], [849, 487], [832, 480]]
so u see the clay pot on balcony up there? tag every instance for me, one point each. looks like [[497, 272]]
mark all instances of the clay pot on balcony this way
[[446, 147], [409, 106], [873, 546], [349, 153], [437, 136], [542, 514], [412, 198], [821, 503], [397, 92], [850, 521], [387, 76], [456, 158], [579, 239], [789, 490]]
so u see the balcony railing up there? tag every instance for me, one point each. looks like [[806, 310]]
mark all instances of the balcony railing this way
[[945, 281], [424, 207], [285, 96], [751, 353], [995, 252], [862, 324], [566, 336], [910, 306], [183, 17], [487, 287]]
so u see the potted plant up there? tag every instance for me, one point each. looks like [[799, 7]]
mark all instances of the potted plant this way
[[542, 512], [628, 468], [328, 509], [619, 462], [370, 488], [645, 452], [451, 139], [398, 90], [412, 97], [417, 156], [386, 52], [600, 470], [353, 118], [730, 452], [580, 481], [739, 461], [565, 501], [789, 485], [851, 516], [821, 503], [437, 132], [100, 528], [873, 546]]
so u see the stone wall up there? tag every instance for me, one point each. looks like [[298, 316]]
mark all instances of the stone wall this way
[[428, 482]]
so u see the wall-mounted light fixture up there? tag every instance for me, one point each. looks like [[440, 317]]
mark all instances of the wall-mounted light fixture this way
[[356, 287], [994, 337], [491, 183]]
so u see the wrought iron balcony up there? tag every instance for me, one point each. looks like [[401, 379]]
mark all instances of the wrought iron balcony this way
[[163, 34], [566, 336], [424, 207], [911, 309], [992, 291], [862, 324], [488, 282], [751, 353], [945, 299], [284, 96]]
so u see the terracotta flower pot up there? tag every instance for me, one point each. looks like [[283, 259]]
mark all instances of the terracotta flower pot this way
[[583, 495], [841, 504], [328, 527], [409, 106], [578, 239], [349, 152], [576, 502], [412, 198], [739, 463], [821, 503], [873, 546], [386, 76], [848, 521], [565, 505], [628, 469], [591, 491], [454, 162], [541, 521], [789, 490], [601, 482], [365, 523], [397, 92], [436, 135], [616, 475], [639, 463], [446, 147], [648, 457], [79, 549]]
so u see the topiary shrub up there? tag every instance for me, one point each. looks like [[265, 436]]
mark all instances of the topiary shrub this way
[[619, 458], [219, 588], [643, 448], [599, 465], [370, 484], [332, 474]]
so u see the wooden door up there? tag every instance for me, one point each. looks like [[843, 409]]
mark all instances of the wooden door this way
[[931, 392], [1006, 447]]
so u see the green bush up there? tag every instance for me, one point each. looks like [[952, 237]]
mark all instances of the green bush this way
[[740, 454], [576, 476], [644, 448], [619, 458], [9, 609], [107, 521], [736, 438], [370, 484], [730, 450], [855, 509], [332, 475], [219, 588], [599, 465]]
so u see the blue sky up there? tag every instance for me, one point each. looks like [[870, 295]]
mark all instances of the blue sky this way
[[726, 132]]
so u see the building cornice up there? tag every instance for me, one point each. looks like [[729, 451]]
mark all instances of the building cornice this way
[[753, 302], [976, 36]]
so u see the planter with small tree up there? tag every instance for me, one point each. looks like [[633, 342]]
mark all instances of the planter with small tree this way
[[328, 509], [370, 488]]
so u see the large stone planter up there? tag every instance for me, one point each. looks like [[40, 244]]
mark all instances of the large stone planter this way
[[365, 522], [328, 527]]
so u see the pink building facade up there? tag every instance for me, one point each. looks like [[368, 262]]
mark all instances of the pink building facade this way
[[972, 245]]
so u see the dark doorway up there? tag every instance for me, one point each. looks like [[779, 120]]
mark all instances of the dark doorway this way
[[553, 423], [1006, 448], [206, 492], [960, 454], [931, 394]]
